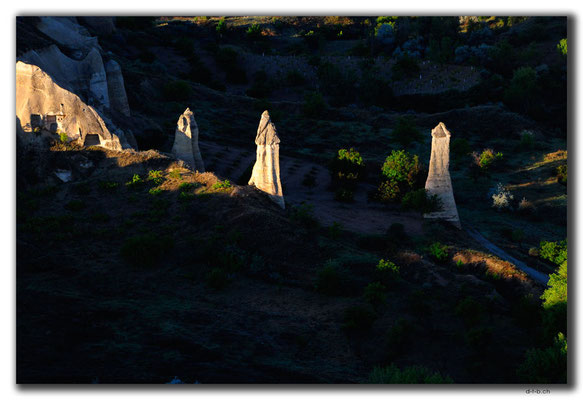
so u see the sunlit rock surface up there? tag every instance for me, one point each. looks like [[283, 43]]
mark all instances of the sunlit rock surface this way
[[265, 174], [42, 104], [438, 180], [85, 77], [185, 146]]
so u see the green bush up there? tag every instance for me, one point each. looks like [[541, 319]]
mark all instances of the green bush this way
[[487, 158], [177, 91], [405, 132], [185, 186], [314, 105], [438, 252], [156, 176], [228, 60], [527, 140], [329, 280], [346, 169], [135, 182], [185, 197], [405, 67], [548, 365], [155, 191], [469, 310], [562, 174], [304, 215], [459, 148], [403, 168], [555, 252], [387, 272], [419, 200], [221, 27], [409, 375], [145, 250], [562, 47], [254, 32], [222, 184], [375, 293], [556, 292], [175, 174], [358, 319], [522, 92], [63, 137], [388, 192]]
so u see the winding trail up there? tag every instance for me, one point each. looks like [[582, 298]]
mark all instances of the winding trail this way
[[534, 274]]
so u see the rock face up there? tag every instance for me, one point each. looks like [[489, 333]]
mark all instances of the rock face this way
[[41, 103], [185, 146], [85, 77], [265, 174], [116, 89], [68, 32], [438, 180]]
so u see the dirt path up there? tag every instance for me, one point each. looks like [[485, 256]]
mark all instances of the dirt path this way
[[534, 274], [359, 216]]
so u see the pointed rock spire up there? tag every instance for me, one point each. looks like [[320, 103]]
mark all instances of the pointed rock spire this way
[[265, 174], [438, 179], [185, 145]]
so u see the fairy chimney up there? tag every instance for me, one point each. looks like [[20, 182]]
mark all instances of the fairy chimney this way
[[265, 174], [185, 146], [438, 180]]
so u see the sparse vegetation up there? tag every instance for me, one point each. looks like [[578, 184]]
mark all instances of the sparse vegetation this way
[[145, 250], [226, 184], [420, 200], [438, 252], [409, 375], [358, 319]]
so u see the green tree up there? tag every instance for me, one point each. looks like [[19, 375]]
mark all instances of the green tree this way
[[522, 91], [405, 132], [402, 167], [562, 47], [548, 365]]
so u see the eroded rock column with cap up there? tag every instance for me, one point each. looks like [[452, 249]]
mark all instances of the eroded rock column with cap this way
[[265, 174], [185, 146], [438, 180]]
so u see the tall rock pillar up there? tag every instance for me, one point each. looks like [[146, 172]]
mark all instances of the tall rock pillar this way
[[118, 99], [438, 180], [265, 174], [185, 145]]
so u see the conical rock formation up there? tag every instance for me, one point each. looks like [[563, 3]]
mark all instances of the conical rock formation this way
[[185, 146], [116, 88], [265, 174], [41, 103], [438, 180]]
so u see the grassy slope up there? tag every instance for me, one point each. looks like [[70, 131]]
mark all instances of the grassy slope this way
[[87, 313]]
